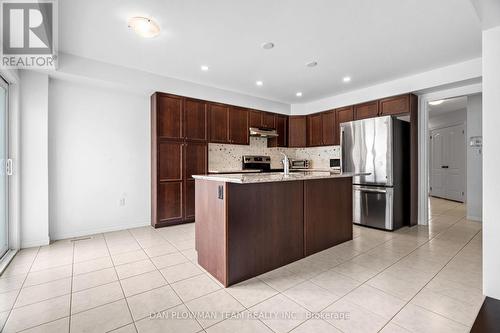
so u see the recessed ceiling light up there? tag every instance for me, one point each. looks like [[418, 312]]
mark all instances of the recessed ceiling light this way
[[204, 68], [347, 79], [259, 83], [436, 102], [312, 64], [298, 94], [267, 46], [144, 27]]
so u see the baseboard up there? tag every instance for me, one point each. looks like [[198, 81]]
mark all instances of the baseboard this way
[[474, 218], [32, 243], [87, 232]]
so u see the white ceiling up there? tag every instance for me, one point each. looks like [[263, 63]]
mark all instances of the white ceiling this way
[[448, 105], [371, 41]]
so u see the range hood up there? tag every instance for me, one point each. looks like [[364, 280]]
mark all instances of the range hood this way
[[263, 132]]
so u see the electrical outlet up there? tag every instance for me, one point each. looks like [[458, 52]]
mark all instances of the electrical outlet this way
[[122, 201]]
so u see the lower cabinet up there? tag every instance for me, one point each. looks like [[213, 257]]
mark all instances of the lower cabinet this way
[[169, 202]]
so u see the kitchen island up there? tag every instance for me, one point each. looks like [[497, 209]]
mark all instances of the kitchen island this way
[[248, 224]]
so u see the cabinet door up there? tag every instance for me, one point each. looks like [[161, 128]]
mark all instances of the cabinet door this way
[[238, 126], [195, 120], [342, 115], [219, 123], [169, 116], [297, 131], [254, 118], [268, 120], [170, 161], [189, 200], [366, 110], [195, 159], [328, 123], [281, 128], [395, 105], [314, 130], [170, 202]]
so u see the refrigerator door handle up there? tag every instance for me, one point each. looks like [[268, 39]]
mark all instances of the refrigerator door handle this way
[[367, 189]]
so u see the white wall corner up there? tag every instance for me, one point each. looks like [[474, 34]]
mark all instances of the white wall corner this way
[[33, 163]]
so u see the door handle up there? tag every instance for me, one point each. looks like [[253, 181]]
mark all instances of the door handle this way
[[444, 166]]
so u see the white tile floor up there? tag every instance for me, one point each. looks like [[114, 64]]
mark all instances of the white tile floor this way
[[424, 279]]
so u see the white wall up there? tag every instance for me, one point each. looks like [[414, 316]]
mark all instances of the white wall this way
[[474, 159], [491, 162], [447, 119], [34, 159], [76, 68], [461, 72], [99, 153]]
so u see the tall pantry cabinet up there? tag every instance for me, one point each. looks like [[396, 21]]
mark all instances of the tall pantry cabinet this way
[[179, 140]]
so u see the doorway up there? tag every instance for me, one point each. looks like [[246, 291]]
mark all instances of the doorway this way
[[4, 168], [447, 174]]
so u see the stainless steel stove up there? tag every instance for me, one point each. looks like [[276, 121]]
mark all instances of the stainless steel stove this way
[[257, 163]]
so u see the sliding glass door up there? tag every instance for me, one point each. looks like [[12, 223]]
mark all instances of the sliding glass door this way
[[4, 170]]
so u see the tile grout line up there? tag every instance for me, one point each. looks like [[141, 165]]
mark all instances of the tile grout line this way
[[434, 276], [19, 292], [121, 287]]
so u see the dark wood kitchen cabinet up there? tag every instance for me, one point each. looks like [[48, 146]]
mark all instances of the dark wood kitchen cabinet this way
[[281, 124], [366, 110], [297, 131], [328, 127], [238, 126], [195, 120], [178, 150], [314, 130], [169, 116], [396, 105], [219, 123], [254, 118], [268, 120], [342, 115]]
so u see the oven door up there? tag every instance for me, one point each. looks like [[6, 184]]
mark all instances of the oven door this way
[[373, 206]]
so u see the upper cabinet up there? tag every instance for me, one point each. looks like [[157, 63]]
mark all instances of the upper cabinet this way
[[254, 118], [268, 120], [238, 126], [395, 105], [328, 127], [314, 130], [366, 110], [169, 116], [219, 123], [195, 120], [342, 115], [281, 122], [297, 131]]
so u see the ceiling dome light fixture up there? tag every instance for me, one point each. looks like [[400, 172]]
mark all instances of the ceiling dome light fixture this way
[[436, 102], [204, 68], [144, 27], [298, 94], [268, 45], [346, 79], [259, 83], [312, 64]]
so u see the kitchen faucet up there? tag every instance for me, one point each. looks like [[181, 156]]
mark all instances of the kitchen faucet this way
[[286, 164]]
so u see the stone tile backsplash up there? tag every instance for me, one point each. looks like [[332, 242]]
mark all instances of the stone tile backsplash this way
[[224, 157]]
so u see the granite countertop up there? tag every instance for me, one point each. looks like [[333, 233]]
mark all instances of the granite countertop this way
[[240, 178]]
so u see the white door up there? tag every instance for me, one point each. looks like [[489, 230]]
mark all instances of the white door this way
[[447, 163]]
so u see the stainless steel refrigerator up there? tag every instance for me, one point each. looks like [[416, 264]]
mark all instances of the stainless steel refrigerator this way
[[381, 147]]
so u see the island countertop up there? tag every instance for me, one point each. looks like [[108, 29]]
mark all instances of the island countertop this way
[[241, 178]]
